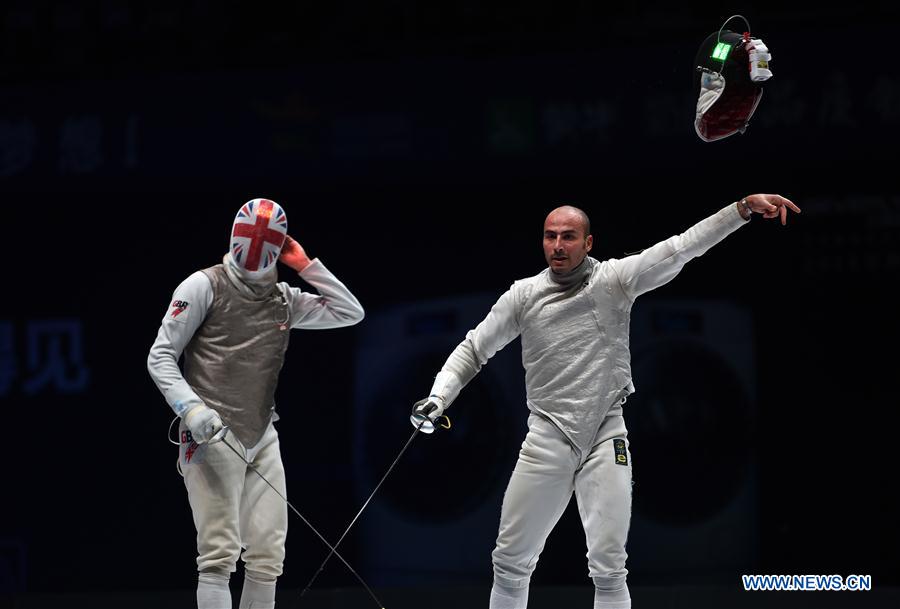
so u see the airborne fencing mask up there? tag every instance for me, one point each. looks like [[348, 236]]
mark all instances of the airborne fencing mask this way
[[730, 71]]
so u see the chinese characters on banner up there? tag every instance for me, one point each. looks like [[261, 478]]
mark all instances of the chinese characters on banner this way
[[54, 358]]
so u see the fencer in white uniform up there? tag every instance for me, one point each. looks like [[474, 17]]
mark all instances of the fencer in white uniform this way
[[573, 319], [232, 322]]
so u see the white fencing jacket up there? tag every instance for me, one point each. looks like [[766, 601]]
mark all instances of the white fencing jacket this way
[[574, 329]]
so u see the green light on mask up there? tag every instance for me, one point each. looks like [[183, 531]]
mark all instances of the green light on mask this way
[[721, 51]]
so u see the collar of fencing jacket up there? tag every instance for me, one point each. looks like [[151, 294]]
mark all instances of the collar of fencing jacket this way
[[576, 276], [251, 285]]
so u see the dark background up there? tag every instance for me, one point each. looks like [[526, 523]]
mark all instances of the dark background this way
[[417, 148]]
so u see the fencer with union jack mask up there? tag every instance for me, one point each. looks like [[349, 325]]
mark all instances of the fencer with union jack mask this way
[[573, 319], [232, 322]]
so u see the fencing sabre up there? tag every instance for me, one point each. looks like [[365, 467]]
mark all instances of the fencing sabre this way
[[445, 425], [221, 436]]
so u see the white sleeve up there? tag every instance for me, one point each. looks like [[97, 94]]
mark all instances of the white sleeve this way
[[333, 307], [659, 264], [496, 331], [188, 309]]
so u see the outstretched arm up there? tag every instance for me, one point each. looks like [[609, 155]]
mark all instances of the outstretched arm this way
[[659, 264]]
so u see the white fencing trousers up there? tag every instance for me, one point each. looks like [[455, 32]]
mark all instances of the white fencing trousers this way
[[548, 471], [233, 508]]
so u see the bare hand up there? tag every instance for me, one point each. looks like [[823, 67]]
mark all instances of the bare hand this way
[[771, 206], [293, 254]]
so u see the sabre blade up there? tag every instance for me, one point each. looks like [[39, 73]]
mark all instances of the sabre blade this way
[[355, 518], [305, 521]]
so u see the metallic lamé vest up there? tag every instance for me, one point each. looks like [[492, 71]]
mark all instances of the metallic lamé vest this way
[[234, 357]]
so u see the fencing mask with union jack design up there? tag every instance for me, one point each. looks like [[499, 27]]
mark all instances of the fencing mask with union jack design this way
[[257, 236]]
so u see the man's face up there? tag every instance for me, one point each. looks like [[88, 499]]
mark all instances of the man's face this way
[[565, 244]]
